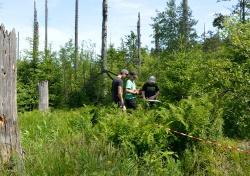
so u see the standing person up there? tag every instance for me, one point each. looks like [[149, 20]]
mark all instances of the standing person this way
[[131, 91], [117, 89], [150, 90]]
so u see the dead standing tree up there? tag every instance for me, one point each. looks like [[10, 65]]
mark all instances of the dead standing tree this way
[[46, 30], [35, 37], [9, 132], [102, 91], [76, 37], [139, 42], [104, 34], [43, 87]]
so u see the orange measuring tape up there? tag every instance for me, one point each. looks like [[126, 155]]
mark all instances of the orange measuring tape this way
[[211, 142]]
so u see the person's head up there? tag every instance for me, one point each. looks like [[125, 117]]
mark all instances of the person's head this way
[[152, 80], [124, 73], [133, 76]]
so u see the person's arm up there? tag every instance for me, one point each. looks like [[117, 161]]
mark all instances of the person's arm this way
[[157, 92], [129, 88], [143, 94], [143, 91], [120, 95], [131, 91]]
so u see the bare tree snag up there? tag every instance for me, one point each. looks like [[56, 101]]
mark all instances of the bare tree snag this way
[[9, 132], [46, 29], [104, 34], [18, 46], [35, 36], [139, 42], [43, 96], [76, 36]]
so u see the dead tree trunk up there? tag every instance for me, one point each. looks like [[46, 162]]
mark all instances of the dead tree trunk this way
[[76, 37], [139, 42], [43, 96], [46, 29], [18, 46], [9, 132], [35, 37], [104, 34], [102, 91]]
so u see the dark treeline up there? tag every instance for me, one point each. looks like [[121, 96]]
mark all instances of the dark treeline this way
[[210, 69]]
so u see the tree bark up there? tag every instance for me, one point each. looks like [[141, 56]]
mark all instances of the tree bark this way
[[104, 34], [35, 36], [76, 35], [43, 96], [18, 46], [46, 29], [9, 132], [139, 42]]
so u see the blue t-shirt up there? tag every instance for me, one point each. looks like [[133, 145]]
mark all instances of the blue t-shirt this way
[[131, 86]]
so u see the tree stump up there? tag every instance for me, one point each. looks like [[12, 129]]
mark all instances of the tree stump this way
[[9, 132], [43, 96]]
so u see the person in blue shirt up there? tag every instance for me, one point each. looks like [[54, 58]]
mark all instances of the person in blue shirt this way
[[131, 91]]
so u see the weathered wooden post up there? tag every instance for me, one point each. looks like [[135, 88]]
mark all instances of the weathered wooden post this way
[[9, 132], [43, 87]]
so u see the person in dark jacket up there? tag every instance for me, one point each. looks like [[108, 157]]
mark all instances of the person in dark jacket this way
[[150, 90], [117, 89]]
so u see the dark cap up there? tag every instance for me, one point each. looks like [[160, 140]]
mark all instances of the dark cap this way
[[133, 73]]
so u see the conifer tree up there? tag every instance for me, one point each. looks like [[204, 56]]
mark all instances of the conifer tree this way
[[187, 34], [165, 28]]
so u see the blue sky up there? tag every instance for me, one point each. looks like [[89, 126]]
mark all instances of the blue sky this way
[[18, 14]]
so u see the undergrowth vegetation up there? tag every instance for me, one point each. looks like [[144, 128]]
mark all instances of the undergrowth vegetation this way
[[106, 141]]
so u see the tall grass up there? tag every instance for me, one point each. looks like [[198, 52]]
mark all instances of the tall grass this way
[[55, 145], [105, 141]]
